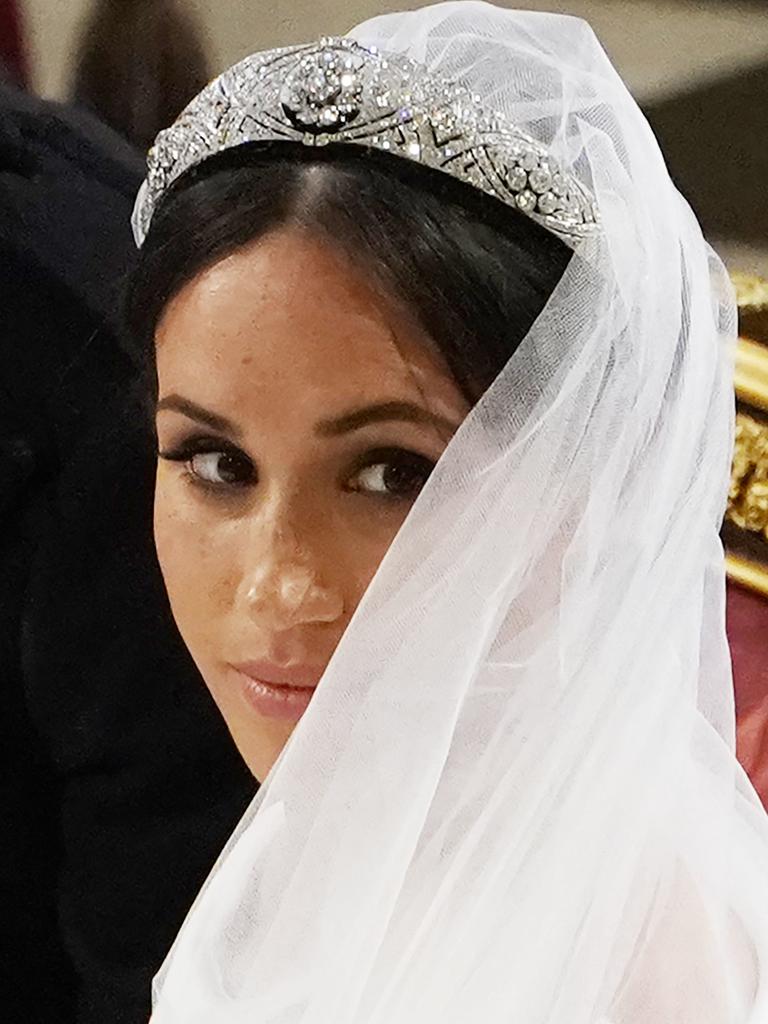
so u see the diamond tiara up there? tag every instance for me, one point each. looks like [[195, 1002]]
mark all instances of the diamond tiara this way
[[339, 91]]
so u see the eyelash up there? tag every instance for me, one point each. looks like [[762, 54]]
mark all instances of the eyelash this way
[[186, 452], [401, 458]]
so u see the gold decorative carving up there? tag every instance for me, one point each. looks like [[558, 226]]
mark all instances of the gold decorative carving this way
[[748, 497], [747, 515], [751, 291], [751, 373], [747, 574]]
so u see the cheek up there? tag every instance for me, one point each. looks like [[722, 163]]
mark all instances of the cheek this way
[[364, 553], [199, 579]]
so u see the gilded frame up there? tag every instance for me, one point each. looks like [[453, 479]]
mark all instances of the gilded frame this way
[[745, 530]]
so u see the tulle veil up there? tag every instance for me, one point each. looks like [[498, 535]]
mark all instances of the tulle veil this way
[[514, 796]]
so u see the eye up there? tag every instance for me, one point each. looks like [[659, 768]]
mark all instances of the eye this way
[[212, 463], [392, 473], [220, 468]]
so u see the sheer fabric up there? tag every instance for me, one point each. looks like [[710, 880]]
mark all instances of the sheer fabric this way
[[514, 796]]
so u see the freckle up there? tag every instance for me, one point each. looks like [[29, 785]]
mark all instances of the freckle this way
[[246, 360]]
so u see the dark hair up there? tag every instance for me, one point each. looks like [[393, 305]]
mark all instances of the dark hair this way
[[474, 273], [139, 64]]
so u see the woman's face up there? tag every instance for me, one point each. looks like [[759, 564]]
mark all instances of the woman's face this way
[[299, 414]]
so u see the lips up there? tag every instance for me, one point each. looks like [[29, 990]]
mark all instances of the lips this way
[[297, 677], [277, 691]]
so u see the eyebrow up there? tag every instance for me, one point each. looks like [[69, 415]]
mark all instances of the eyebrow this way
[[193, 411], [381, 412]]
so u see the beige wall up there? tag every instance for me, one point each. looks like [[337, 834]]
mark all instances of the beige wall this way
[[659, 46], [234, 28]]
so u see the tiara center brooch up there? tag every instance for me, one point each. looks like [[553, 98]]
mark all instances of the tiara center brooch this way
[[324, 93], [339, 90]]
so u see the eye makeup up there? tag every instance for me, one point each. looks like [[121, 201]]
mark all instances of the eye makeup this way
[[204, 454]]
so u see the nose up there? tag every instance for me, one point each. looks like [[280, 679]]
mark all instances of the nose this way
[[282, 586]]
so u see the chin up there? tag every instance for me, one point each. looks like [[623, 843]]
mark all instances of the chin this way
[[259, 739], [260, 756]]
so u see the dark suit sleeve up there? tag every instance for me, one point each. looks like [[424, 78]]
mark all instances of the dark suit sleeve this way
[[30, 841], [118, 781], [31, 851]]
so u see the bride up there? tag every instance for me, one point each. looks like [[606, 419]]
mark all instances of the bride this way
[[444, 425]]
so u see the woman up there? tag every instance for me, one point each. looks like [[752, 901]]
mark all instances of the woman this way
[[494, 722]]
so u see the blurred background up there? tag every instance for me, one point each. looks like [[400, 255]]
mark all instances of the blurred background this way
[[699, 69]]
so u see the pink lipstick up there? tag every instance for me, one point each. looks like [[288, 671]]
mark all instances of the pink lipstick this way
[[276, 691]]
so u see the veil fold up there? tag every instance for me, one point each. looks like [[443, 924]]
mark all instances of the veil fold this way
[[514, 796]]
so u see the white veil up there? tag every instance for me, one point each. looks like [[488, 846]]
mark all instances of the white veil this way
[[514, 797]]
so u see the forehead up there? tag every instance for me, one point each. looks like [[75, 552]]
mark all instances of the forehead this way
[[289, 311]]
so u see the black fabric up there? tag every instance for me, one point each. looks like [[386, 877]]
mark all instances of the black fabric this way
[[118, 781]]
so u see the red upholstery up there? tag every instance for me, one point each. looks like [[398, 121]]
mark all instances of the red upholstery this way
[[747, 618]]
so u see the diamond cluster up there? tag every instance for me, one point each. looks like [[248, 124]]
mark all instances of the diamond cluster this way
[[325, 92], [337, 90]]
